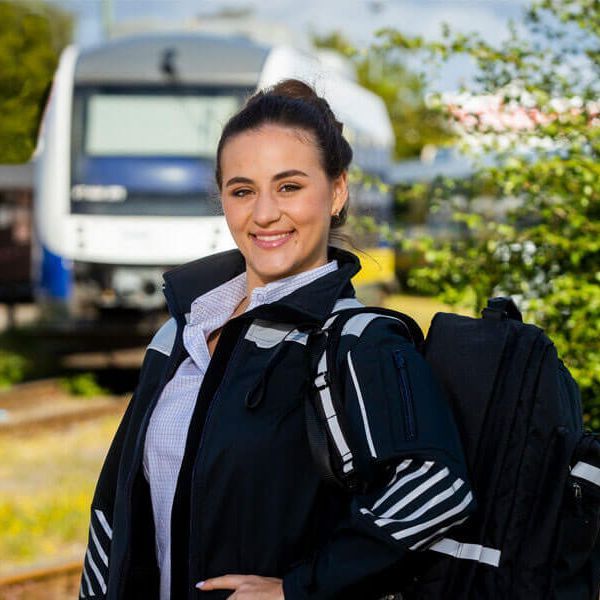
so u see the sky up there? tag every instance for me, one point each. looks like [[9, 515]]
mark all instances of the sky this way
[[357, 19]]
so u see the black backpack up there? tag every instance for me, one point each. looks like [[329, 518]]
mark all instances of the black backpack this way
[[534, 471]]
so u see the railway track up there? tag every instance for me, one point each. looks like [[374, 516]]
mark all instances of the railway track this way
[[37, 408], [43, 405], [57, 582]]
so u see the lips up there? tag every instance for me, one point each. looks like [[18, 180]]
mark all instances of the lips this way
[[271, 239]]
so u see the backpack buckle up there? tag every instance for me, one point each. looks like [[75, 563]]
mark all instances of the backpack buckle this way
[[322, 380], [501, 308]]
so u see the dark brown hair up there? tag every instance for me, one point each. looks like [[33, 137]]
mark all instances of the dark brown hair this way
[[293, 103]]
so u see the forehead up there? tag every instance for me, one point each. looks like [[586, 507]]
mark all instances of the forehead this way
[[271, 146]]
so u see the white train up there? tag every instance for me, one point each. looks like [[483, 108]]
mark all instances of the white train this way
[[124, 167]]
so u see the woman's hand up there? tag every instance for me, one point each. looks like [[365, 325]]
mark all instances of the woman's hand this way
[[247, 587]]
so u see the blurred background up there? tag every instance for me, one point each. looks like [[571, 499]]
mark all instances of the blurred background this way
[[475, 127]]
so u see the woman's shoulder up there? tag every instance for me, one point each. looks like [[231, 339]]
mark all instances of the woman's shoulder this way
[[372, 326]]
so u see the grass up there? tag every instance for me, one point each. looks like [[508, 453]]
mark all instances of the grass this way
[[420, 308], [46, 486]]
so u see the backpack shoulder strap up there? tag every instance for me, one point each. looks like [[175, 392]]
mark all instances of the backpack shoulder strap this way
[[327, 437]]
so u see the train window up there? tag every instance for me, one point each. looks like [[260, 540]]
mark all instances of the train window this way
[[163, 125], [147, 150]]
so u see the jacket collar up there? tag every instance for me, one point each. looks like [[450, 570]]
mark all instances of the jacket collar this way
[[313, 302]]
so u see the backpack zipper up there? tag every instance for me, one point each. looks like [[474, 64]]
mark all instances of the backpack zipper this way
[[407, 399]]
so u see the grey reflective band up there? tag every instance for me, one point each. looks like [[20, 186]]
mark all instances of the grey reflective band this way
[[104, 523], [346, 303], [481, 554], [358, 323], [268, 335], [164, 338], [363, 409], [96, 571], [586, 471], [331, 418]]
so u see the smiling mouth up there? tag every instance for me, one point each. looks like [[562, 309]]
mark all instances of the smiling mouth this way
[[271, 240]]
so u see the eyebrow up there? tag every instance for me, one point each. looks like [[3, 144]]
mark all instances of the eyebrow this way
[[282, 175]]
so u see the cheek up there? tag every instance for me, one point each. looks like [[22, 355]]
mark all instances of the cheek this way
[[313, 214], [233, 214]]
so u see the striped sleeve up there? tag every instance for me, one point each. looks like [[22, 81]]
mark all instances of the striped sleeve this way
[[422, 501], [409, 514], [94, 578]]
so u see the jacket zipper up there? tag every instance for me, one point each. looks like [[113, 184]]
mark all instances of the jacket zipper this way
[[207, 421], [407, 399]]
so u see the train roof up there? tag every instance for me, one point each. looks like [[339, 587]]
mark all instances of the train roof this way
[[188, 58], [202, 58]]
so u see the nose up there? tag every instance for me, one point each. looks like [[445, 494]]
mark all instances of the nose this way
[[266, 209]]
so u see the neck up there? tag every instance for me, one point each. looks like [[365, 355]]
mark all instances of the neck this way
[[253, 281]]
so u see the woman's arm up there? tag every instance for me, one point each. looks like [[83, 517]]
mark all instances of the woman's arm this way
[[398, 422]]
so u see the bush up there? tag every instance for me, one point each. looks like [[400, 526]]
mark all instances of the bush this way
[[13, 368], [532, 211]]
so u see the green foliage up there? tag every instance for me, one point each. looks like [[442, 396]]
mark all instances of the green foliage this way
[[83, 384], [403, 92], [13, 368], [32, 34], [533, 218]]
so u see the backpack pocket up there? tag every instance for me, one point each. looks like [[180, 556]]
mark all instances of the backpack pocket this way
[[577, 558]]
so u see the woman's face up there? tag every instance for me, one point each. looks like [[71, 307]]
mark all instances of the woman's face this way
[[278, 201]]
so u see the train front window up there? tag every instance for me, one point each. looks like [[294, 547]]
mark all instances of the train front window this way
[[169, 125], [147, 151]]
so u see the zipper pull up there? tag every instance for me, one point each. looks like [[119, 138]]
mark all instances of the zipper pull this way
[[578, 495]]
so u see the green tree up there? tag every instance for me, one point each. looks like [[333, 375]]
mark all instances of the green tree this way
[[32, 34], [403, 91], [539, 240]]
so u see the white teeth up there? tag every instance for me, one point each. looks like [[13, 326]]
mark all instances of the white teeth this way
[[272, 238]]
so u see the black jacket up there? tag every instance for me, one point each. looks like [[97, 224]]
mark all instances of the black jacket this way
[[248, 498]]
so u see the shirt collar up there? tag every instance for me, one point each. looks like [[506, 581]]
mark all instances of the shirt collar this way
[[311, 303], [275, 290], [224, 299]]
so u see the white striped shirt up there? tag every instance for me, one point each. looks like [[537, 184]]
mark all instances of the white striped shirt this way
[[170, 420]]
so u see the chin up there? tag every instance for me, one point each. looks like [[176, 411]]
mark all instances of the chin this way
[[273, 265], [268, 274]]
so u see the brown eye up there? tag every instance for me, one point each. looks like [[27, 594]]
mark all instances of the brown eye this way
[[240, 193], [289, 187]]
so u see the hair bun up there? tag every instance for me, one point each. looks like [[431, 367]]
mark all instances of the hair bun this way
[[294, 88], [299, 90]]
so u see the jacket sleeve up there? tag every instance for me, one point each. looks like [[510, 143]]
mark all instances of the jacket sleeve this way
[[97, 558], [94, 577], [404, 441]]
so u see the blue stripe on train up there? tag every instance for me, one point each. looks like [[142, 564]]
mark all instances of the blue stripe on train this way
[[142, 174], [56, 277]]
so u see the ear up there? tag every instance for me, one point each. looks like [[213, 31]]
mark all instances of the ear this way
[[340, 193]]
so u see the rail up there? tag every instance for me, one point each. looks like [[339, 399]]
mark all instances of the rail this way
[[57, 582], [43, 405]]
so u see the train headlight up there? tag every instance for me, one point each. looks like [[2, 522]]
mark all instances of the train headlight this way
[[138, 288]]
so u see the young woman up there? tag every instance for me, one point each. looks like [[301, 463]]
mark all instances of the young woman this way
[[210, 489]]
